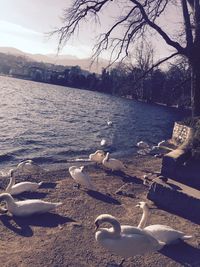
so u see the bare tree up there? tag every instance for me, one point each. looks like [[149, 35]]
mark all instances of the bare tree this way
[[135, 20]]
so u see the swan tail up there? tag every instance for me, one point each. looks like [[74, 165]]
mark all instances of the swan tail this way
[[58, 204], [161, 244], [40, 183], [185, 237]]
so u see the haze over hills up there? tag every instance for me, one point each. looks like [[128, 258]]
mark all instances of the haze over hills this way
[[65, 60]]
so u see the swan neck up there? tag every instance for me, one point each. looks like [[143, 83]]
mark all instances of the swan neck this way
[[8, 199], [116, 227], [11, 183], [145, 215], [107, 157]]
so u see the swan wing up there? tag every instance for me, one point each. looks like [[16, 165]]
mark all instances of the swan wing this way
[[164, 233], [81, 178], [129, 245], [32, 206], [23, 187]]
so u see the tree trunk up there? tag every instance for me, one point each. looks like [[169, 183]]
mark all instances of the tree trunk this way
[[195, 86]]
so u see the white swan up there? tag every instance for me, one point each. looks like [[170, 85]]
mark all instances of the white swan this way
[[109, 122], [124, 240], [113, 164], [103, 142], [15, 189], [29, 167], [161, 232], [80, 177], [98, 156], [27, 207], [142, 145]]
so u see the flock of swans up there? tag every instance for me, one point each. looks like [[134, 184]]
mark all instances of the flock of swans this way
[[124, 240]]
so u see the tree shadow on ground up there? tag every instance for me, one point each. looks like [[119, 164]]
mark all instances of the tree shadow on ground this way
[[22, 226], [183, 253], [103, 197]]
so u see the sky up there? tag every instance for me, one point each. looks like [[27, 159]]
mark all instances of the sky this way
[[24, 24]]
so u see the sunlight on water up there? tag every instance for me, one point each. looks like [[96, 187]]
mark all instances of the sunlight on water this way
[[51, 124]]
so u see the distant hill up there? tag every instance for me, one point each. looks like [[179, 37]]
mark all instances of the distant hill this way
[[65, 60]]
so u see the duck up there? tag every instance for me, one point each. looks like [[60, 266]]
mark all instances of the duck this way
[[80, 177], [97, 156], [113, 164], [15, 189], [27, 207], [142, 145], [29, 167], [124, 240], [163, 233]]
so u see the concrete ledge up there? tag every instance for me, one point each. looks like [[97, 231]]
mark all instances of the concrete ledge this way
[[176, 198], [174, 159]]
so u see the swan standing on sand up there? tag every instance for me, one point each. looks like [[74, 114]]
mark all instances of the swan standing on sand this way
[[124, 240], [27, 207], [113, 164], [98, 156], [163, 233], [80, 177], [15, 189]]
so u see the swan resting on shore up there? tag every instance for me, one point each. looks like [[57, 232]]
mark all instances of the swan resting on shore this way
[[15, 189], [97, 156], [27, 207], [80, 177], [113, 164], [28, 167], [124, 240], [161, 232], [142, 144]]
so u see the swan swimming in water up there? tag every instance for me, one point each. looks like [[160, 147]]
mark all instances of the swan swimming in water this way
[[109, 122], [27, 207], [98, 156], [113, 164], [103, 142], [80, 177], [163, 233], [124, 240], [15, 189]]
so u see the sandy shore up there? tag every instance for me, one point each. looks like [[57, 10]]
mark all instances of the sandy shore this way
[[66, 237]]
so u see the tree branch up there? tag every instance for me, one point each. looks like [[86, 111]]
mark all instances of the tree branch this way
[[156, 65], [167, 39]]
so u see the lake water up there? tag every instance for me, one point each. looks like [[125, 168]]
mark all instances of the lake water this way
[[52, 124]]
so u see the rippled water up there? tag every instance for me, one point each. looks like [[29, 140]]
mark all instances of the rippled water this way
[[51, 124]]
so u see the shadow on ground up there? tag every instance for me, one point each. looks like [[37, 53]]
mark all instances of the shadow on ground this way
[[22, 226], [183, 253], [103, 197]]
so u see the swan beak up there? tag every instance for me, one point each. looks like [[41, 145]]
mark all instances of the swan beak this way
[[97, 225]]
